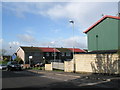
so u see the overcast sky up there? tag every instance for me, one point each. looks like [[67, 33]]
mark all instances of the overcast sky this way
[[47, 23]]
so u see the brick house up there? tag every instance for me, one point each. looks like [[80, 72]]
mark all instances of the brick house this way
[[39, 54]]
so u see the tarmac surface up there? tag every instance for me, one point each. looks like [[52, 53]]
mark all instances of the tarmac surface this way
[[38, 79]]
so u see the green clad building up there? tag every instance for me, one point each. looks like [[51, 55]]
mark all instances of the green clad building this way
[[104, 34]]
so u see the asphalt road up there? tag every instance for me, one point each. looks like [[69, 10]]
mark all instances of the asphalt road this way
[[29, 80]]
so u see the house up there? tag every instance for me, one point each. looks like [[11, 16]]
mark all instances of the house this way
[[34, 55], [25, 53], [49, 54], [104, 34], [65, 54]]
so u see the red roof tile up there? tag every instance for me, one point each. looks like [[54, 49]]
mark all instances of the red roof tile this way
[[76, 50], [48, 49], [106, 16]]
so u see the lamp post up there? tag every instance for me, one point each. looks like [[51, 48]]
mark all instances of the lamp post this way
[[30, 57], [10, 55], [72, 22], [54, 49]]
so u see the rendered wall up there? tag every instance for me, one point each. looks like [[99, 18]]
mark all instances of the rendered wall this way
[[98, 63], [21, 54], [68, 66], [48, 67]]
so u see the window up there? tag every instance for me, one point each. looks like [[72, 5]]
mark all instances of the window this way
[[68, 54], [53, 54], [36, 54], [62, 54], [47, 54]]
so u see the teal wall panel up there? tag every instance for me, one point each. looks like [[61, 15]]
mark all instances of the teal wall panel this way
[[119, 34], [104, 36]]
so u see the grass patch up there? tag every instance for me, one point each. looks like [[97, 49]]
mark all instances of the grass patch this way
[[3, 62], [38, 68]]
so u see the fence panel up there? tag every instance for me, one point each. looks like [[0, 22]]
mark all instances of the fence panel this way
[[58, 65]]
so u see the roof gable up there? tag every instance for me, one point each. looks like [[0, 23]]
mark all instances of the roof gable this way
[[99, 21]]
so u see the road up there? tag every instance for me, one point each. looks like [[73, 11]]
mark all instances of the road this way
[[29, 80]]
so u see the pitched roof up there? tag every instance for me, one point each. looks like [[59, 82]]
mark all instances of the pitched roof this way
[[64, 49], [45, 49], [30, 48], [76, 50], [48, 49], [99, 21]]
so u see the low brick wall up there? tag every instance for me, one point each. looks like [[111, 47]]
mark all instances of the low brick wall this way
[[97, 63], [48, 67]]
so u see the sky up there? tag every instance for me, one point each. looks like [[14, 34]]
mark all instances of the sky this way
[[44, 24]]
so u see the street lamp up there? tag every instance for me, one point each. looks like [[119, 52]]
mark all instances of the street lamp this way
[[44, 60], [72, 22], [54, 49], [30, 57], [10, 55]]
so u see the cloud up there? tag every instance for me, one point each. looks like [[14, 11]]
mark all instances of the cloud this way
[[26, 38], [83, 13], [55, 31], [10, 46], [14, 43], [1, 40], [77, 41], [61, 1]]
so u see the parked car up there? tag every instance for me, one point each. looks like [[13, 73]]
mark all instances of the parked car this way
[[3, 66], [13, 65]]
